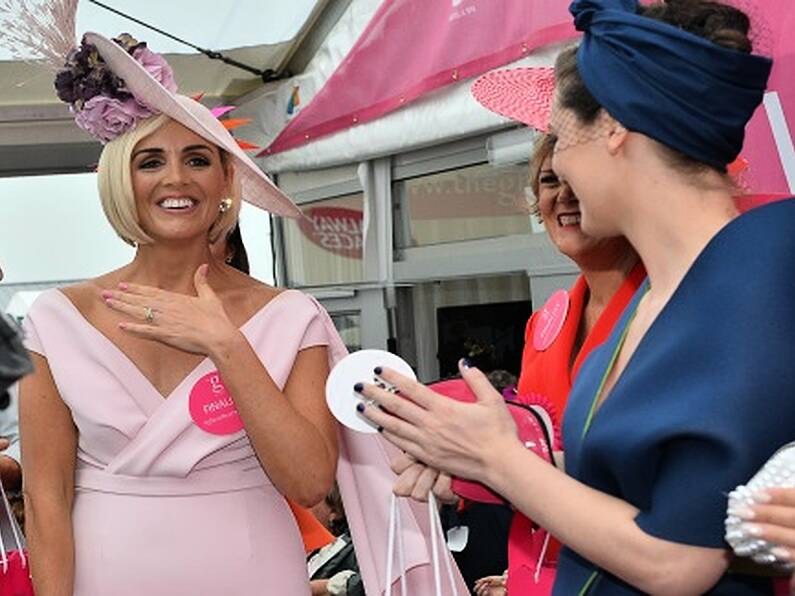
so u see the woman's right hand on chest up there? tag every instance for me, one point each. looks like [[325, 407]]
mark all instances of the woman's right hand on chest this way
[[197, 324]]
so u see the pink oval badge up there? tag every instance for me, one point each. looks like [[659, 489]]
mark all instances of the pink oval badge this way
[[212, 408], [550, 320]]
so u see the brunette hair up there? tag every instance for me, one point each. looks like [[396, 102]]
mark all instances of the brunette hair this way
[[542, 149], [239, 257], [337, 521]]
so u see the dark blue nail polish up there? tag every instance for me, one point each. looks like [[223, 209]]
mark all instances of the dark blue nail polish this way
[[380, 429], [466, 363], [378, 370], [360, 407], [358, 388]]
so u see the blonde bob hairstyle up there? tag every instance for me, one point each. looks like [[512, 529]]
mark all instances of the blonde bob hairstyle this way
[[114, 179]]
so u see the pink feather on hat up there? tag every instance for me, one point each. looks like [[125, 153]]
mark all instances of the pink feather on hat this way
[[38, 30]]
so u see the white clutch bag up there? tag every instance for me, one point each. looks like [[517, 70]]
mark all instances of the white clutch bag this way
[[778, 472]]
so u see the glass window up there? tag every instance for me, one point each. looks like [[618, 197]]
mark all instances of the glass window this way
[[325, 247], [481, 318], [480, 201], [349, 327]]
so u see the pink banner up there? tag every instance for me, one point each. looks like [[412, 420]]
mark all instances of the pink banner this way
[[768, 144], [412, 47]]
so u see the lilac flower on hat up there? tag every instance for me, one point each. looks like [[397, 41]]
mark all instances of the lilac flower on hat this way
[[106, 117], [156, 66], [101, 102]]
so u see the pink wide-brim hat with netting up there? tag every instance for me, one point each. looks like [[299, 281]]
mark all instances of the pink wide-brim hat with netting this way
[[522, 94], [256, 187]]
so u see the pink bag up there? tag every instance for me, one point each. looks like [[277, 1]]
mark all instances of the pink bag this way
[[534, 425], [14, 564], [532, 433]]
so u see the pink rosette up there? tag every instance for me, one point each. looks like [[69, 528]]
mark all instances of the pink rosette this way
[[156, 66], [106, 118]]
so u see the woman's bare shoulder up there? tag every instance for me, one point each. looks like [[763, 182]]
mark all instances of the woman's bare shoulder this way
[[248, 296], [260, 294], [84, 295]]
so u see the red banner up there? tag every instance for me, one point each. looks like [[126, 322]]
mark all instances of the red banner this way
[[336, 229]]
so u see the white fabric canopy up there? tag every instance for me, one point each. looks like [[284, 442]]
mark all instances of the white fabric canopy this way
[[438, 117]]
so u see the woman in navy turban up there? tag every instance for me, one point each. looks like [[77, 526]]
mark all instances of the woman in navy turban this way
[[693, 390]]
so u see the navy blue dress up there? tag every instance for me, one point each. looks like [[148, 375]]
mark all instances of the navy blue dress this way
[[705, 400]]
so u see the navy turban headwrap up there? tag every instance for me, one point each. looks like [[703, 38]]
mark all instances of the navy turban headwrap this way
[[682, 90]]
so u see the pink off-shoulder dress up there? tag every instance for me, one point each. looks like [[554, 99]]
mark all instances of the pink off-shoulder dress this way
[[162, 506]]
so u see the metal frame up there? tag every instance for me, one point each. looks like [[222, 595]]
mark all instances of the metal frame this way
[[387, 268], [366, 298]]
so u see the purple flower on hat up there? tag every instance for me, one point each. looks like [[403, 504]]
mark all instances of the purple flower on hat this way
[[66, 86], [86, 75], [106, 117], [156, 66], [101, 101]]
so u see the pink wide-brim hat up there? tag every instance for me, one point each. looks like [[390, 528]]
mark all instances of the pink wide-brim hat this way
[[522, 94], [256, 187]]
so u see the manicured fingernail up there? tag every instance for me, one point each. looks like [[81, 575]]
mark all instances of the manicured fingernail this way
[[122, 325], [107, 294], [762, 497], [123, 286], [378, 370], [782, 554], [752, 529], [465, 363], [358, 388], [360, 407], [741, 512]]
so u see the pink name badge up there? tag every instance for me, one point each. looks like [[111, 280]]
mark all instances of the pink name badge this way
[[550, 320], [212, 408]]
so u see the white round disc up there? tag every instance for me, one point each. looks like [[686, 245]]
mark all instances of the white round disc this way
[[358, 368]]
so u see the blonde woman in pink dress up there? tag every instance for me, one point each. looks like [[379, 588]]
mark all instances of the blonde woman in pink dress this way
[[176, 402]]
